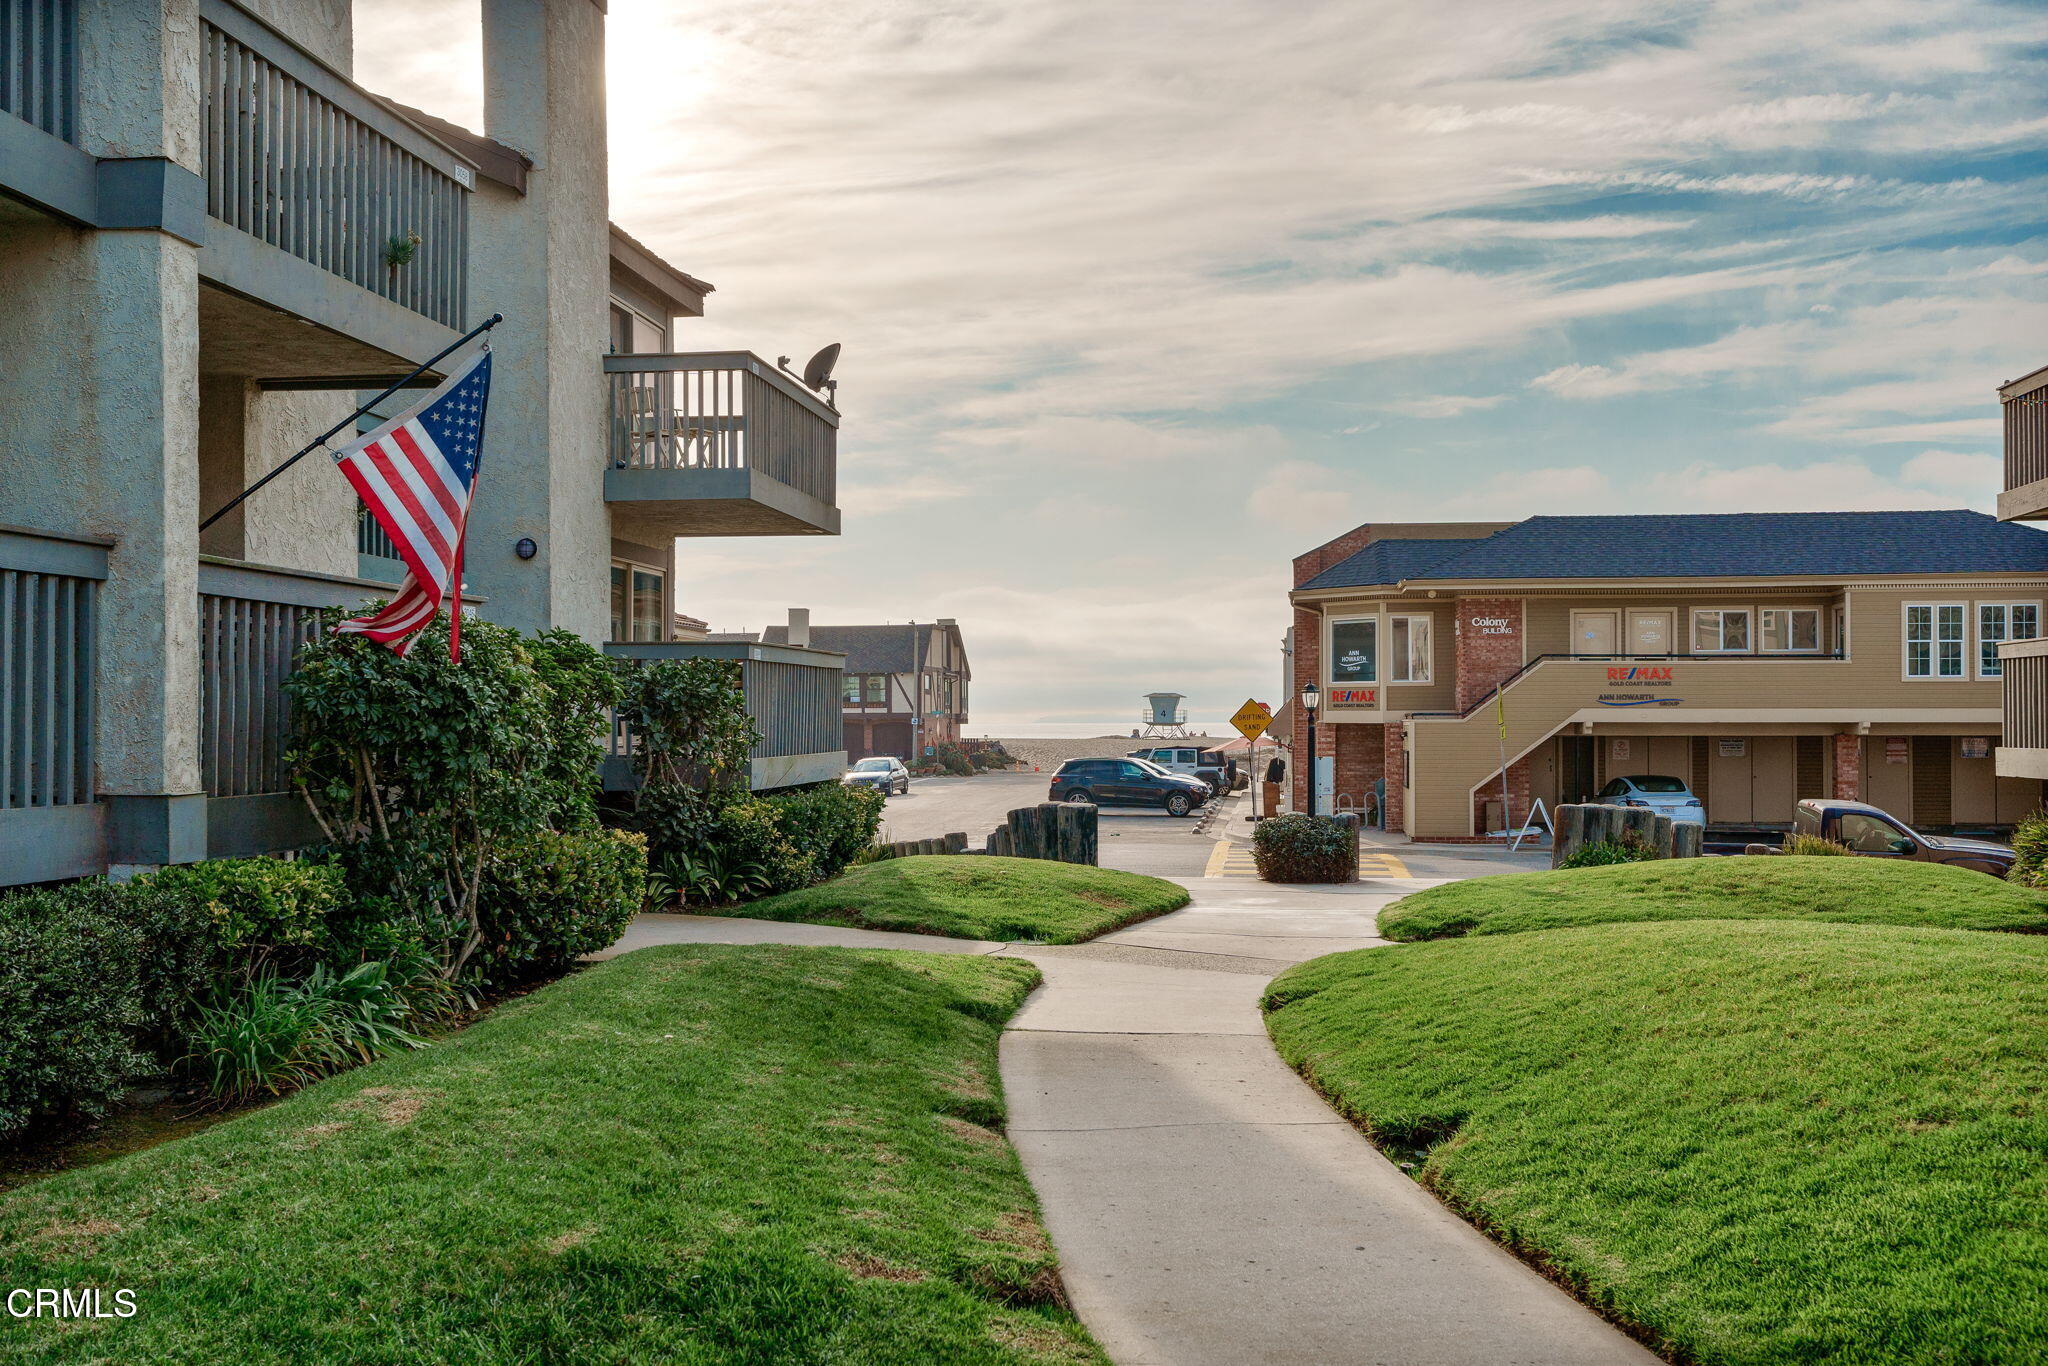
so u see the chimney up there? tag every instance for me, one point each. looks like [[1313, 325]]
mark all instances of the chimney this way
[[800, 627]]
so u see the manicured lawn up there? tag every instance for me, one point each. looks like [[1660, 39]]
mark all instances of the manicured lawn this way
[[969, 896], [1762, 1141], [689, 1154], [1757, 887]]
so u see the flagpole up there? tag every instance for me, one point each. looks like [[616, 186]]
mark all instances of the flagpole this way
[[322, 439]]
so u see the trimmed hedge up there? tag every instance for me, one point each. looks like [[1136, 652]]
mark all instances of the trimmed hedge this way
[[1298, 847], [792, 839], [263, 908], [548, 899], [71, 1000]]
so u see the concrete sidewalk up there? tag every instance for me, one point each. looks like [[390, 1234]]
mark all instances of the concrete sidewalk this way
[[1208, 1207]]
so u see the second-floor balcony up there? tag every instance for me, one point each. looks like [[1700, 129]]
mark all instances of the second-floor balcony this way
[[718, 444], [2025, 405]]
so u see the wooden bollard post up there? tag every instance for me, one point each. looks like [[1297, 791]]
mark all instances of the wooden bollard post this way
[[956, 843], [1570, 836], [1001, 844], [1687, 840], [1665, 834], [1074, 833], [1049, 829]]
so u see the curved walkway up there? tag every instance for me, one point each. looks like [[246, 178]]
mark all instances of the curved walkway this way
[[1209, 1207]]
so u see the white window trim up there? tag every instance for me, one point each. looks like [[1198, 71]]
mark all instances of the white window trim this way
[[1841, 641], [1379, 632], [1975, 625], [1692, 621], [1429, 662], [1820, 628], [1626, 639], [1934, 643]]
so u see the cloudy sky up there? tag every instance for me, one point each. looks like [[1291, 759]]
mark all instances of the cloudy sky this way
[[1139, 300]]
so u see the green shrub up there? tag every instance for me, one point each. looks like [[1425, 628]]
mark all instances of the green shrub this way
[[1815, 846], [548, 899], [270, 1035], [1298, 847], [261, 910], [952, 760], [2030, 842], [419, 769], [1601, 853], [71, 1003], [759, 844]]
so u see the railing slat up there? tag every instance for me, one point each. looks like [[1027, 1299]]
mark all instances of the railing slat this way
[[39, 64], [718, 411]]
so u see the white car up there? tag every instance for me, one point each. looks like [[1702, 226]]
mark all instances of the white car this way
[[1666, 796], [885, 773]]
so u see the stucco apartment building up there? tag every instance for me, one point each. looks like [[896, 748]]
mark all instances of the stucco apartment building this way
[[213, 240], [1760, 657], [904, 691]]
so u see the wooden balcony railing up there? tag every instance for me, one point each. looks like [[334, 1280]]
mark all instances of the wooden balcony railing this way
[[49, 592], [39, 64], [722, 410], [300, 157], [2026, 431], [792, 694]]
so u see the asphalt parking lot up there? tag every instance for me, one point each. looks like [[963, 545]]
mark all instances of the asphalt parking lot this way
[[1136, 839]]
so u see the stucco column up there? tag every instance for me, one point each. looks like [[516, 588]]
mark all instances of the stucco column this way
[[134, 472], [543, 260], [1848, 767]]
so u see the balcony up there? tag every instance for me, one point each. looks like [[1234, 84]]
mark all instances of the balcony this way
[[313, 183], [2023, 750], [2025, 402], [792, 694], [718, 444]]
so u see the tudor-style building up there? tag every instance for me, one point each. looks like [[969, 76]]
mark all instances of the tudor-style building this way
[[1760, 657], [905, 687]]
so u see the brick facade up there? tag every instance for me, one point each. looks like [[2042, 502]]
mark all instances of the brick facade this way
[[1394, 739], [1308, 659], [1489, 652], [1848, 767]]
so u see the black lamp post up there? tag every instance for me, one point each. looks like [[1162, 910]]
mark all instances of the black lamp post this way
[[1311, 698]]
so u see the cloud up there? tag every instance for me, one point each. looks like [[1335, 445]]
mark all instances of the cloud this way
[[1444, 405], [1101, 279]]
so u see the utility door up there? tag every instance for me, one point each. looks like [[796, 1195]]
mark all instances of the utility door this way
[[1326, 784], [1595, 633], [1649, 633], [1575, 780], [1728, 780]]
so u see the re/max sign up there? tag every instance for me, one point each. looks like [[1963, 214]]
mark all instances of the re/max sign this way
[[1641, 674]]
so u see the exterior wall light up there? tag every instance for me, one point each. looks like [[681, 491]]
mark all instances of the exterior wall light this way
[[526, 549]]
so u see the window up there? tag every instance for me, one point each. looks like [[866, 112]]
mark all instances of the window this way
[[647, 605], [1720, 630], [1934, 639], [1408, 648], [1868, 834], [1788, 630], [1132, 771], [1354, 651], [849, 695], [878, 687], [621, 608], [1998, 621], [1839, 625]]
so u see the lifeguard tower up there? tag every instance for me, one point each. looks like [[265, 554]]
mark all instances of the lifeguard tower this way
[[1164, 715]]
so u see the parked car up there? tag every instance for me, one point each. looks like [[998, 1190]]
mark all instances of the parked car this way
[[1876, 833], [1663, 795], [1188, 760], [1128, 782], [883, 772]]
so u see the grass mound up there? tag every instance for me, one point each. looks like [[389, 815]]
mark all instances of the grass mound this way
[[972, 896], [1757, 887], [1761, 1142], [691, 1154]]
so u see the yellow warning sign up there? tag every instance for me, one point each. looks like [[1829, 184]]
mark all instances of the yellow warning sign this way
[[1252, 719]]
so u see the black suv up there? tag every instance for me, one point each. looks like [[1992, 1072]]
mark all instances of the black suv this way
[[1128, 782]]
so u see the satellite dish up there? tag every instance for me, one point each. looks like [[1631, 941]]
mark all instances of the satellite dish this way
[[818, 369]]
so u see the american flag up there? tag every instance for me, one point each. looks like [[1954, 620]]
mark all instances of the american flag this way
[[416, 474]]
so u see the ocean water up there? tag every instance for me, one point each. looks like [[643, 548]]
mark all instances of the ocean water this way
[[1075, 730]]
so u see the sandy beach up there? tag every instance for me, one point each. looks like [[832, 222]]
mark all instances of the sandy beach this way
[[1049, 754]]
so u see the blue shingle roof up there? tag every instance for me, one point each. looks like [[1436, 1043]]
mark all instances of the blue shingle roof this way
[[1709, 545]]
